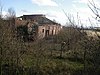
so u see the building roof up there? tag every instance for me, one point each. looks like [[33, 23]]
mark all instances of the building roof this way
[[39, 18]]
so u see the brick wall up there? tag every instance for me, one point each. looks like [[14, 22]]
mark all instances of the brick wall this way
[[47, 29]]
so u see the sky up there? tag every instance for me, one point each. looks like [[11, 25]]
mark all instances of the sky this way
[[54, 9]]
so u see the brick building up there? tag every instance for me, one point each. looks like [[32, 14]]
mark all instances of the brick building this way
[[38, 26]]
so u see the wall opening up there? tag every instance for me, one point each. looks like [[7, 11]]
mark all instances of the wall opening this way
[[52, 32], [46, 33], [42, 30]]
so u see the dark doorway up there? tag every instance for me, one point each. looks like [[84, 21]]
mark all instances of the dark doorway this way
[[52, 32], [46, 33]]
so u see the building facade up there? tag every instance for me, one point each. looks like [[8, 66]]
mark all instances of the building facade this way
[[38, 26]]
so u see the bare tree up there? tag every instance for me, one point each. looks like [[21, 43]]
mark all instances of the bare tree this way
[[1, 7], [11, 13]]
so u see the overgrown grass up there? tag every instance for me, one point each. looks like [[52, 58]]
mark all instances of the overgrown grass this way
[[42, 57]]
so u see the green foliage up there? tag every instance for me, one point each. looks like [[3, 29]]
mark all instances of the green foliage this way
[[22, 32]]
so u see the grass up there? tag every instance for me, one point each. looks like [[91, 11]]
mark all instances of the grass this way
[[52, 62]]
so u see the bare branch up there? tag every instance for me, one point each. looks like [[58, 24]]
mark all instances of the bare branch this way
[[94, 9]]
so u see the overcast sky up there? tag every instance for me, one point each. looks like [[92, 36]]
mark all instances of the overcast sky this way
[[52, 8]]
